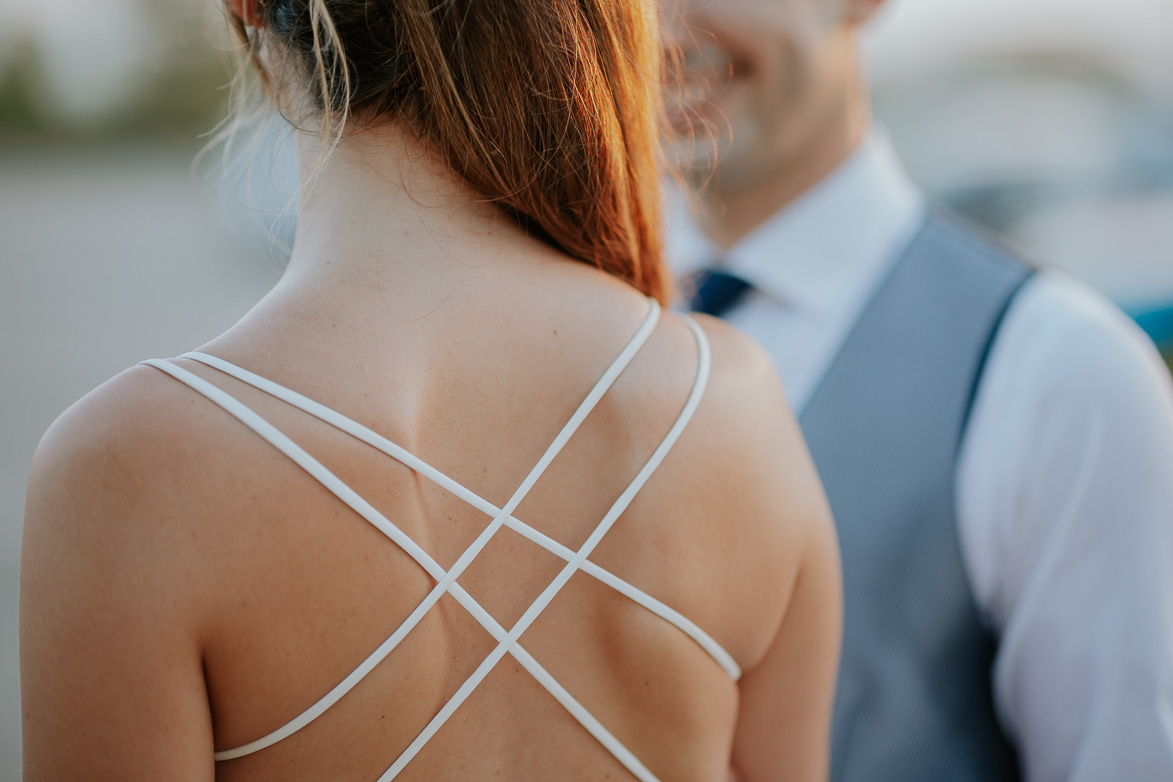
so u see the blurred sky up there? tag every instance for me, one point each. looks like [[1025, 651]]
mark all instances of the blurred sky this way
[[911, 37]]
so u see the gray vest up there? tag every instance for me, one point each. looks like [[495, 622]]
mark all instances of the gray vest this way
[[914, 701]]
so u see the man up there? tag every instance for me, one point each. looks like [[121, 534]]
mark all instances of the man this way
[[996, 444]]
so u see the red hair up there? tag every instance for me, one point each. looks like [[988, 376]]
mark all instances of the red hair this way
[[549, 108]]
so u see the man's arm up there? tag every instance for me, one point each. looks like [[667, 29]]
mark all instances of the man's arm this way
[[1066, 511]]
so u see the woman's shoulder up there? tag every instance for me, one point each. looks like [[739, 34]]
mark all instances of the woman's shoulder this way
[[137, 418], [740, 366], [742, 390], [121, 462], [739, 482]]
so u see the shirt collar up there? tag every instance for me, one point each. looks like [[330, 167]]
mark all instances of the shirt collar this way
[[838, 236]]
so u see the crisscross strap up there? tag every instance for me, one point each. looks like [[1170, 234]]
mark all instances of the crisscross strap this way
[[507, 641], [410, 460], [543, 600], [336, 486]]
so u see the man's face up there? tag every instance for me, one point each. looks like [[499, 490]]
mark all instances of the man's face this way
[[758, 82]]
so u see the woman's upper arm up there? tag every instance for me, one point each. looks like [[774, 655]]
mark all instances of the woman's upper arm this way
[[784, 720], [112, 684], [786, 693]]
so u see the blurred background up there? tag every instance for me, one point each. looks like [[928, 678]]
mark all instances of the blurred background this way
[[1049, 121]]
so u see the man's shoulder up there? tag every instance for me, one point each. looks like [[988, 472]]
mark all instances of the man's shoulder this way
[[1057, 337], [946, 233], [1053, 313], [1068, 332]]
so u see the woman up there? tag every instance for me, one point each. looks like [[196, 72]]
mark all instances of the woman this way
[[456, 500]]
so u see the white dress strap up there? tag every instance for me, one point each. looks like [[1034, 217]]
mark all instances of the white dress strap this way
[[410, 460], [543, 600], [335, 485], [446, 580]]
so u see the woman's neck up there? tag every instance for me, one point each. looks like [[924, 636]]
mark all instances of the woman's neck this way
[[382, 207]]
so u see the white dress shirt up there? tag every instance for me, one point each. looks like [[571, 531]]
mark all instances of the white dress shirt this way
[[1064, 481]]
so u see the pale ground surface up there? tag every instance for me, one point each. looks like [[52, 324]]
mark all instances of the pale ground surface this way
[[105, 259]]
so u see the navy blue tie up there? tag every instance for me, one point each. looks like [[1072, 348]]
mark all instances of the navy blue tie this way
[[713, 291]]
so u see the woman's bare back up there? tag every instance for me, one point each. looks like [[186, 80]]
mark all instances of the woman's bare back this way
[[201, 590], [284, 590]]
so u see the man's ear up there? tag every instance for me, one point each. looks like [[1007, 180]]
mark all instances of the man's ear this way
[[859, 12], [251, 12]]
